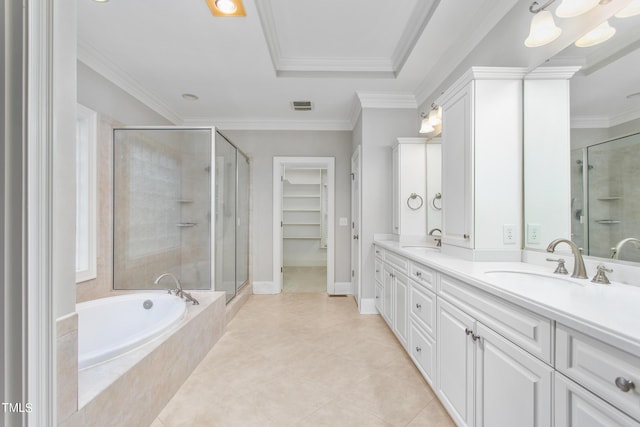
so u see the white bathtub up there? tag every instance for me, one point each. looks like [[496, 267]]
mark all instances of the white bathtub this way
[[108, 327]]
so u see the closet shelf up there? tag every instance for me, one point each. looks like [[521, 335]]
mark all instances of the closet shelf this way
[[607, 221], [301, 223], [609, 198], [302, 238], [306, 196], [301, 210]]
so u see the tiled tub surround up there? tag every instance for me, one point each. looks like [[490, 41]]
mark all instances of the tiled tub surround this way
[[132, 389], [586, 334]]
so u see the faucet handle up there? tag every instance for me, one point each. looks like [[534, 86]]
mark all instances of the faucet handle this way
[[560, 269], [600, 276]]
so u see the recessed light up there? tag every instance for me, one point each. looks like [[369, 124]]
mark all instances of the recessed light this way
[[226, 7], [190, 97], [101, 1]]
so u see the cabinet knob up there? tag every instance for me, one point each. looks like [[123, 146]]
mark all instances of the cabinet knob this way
[[377, 252], [418, 306], [418, 349], [418, 273], [468, 331], [475, 337], [466, 236], [624, 384], [377, 271], [356, 237]]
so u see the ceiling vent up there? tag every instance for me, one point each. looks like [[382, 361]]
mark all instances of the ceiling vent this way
[[302, 105]]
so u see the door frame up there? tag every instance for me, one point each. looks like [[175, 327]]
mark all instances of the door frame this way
[[279, 163], [356, 218]]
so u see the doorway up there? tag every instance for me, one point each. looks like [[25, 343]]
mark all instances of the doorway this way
[[304, 224]]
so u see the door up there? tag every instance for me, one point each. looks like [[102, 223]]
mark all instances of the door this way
[[355, 225], [513, 388], [456, 362]]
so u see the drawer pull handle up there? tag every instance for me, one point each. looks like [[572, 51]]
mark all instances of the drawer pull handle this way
[[418, 349], [624, 384], [418, 306], [419, 274], [468, 331], [475, 337]]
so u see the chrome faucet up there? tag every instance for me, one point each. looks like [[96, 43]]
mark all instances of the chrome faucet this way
[[178, 291], [579, 270], [438, 240], [615, 252]]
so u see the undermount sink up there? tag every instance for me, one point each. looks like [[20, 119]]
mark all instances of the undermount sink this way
[[530, 277]]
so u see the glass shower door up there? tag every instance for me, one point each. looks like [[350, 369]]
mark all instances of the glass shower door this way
[[225, 216], [242, 234]]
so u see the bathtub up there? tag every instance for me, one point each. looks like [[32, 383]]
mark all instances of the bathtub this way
[[109, 327]]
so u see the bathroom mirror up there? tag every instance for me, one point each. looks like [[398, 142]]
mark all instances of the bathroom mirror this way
[[590, 190]]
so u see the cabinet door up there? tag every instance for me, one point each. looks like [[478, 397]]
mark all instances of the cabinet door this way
[[458, 169], [513, 388], [577, 407], [387, 298], [400, 315], [455, 362], [379, 297]]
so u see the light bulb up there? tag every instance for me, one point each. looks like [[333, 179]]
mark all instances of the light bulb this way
[[226, 6], [426, 126], [601, 33], [543, 30], [571, 8], [435, 116]]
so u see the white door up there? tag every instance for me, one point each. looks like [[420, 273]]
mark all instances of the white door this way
[[355, 225], [455, 361], [513, 388]]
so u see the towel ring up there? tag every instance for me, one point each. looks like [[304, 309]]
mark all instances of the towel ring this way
[[414, 196], [438, 196]]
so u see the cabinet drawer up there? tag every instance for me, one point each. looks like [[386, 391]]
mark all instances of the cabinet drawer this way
[[423, 307], [522, 327], [399, 263], [423, 275], [597, 366], [577, 407], [423, 352], [378, 274]]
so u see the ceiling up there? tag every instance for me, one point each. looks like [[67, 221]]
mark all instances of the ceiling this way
[[246, 71], [335, 53]]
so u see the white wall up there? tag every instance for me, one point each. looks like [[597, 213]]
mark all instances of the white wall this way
[[261, 147], [380, 130]]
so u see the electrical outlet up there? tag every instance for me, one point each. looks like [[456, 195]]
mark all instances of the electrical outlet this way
[[508, 234], [533, 233]]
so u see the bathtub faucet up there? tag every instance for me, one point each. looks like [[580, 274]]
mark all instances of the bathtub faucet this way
[[178, 291]]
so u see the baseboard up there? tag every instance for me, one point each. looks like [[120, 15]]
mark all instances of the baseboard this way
[[265, 288], [368, 306], [343, 288]]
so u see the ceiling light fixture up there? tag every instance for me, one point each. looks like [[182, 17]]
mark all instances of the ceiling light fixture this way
[[226, 7], [543, 29], [632, 9], [571, 8], [600, 34]]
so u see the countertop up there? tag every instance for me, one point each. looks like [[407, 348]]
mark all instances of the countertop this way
[[610, 313]]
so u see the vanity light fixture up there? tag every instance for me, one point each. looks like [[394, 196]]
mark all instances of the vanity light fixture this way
[[426, 126], [435, 115], [571, 8], [543, 29], [600, 34], [226, 7], [632, 9]]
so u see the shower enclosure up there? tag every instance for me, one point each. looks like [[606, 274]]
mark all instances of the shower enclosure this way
[[167, 183], [604, 197]]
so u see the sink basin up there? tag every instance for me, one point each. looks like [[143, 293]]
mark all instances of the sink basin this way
[[530, 277]]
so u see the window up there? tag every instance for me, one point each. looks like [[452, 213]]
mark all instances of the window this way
[[86, 136]]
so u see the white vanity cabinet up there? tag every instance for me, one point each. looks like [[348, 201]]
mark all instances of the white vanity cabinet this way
[[422, 320], [481, 160], [393, 287], [409, 187], [484, 379]]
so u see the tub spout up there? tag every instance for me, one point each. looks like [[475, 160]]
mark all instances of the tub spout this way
[[178, 290]]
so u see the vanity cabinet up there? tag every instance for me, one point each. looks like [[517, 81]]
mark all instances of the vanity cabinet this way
[[409, 187], [485, 380], [482, 161], [392, 290]]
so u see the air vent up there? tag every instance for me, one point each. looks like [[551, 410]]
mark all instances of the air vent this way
[[302, 105]]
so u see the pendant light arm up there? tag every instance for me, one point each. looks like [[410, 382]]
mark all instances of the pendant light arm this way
[[534, 9]]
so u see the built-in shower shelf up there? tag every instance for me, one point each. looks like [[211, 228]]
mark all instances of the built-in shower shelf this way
[[607, 221], [186, 224], [609, 198]]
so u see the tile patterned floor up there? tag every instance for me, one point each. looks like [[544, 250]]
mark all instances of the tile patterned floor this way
[[304, 279], [305, 359]]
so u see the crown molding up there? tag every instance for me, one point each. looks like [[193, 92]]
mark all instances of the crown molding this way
[[596, 122], [262, 124], [345, 67], [386, 100], [105, 67], [482, 73], [552, 73]]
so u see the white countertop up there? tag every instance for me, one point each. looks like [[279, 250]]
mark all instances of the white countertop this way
[[610, 313]]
